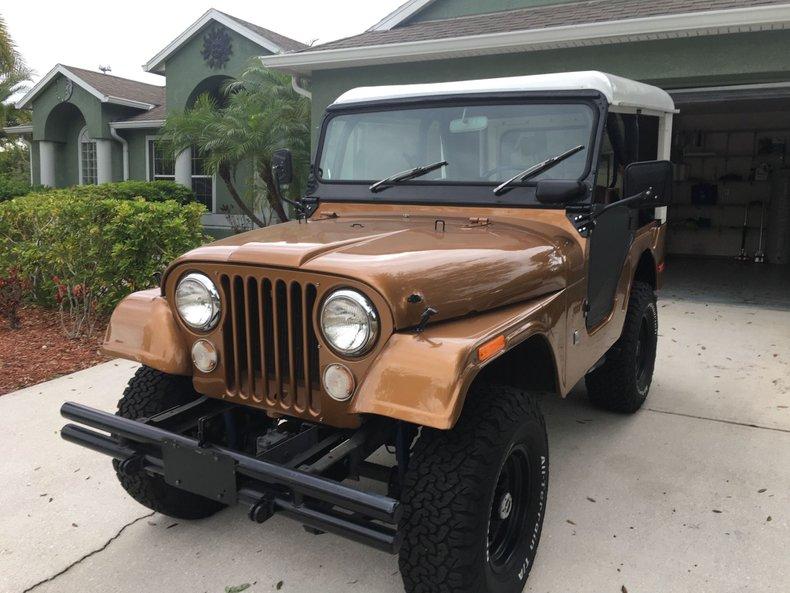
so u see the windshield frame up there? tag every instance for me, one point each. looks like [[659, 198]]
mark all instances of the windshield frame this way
[[421, 191]]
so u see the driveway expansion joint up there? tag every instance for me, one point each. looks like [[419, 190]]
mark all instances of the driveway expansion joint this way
[[733, 422], [88, 555]]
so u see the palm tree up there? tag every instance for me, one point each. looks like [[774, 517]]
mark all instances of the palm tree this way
[[13, 74], [259, 114]]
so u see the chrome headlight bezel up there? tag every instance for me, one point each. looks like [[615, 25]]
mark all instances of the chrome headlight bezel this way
[[212, 301], [368, 312]]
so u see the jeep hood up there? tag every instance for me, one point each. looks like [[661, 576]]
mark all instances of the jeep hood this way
[[457, 266]]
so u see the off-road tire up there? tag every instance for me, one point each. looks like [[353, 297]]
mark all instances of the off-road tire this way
[[451, 486], [622, 382], [148, 393]]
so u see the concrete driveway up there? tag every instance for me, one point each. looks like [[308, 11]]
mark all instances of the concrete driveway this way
[[690, 494]]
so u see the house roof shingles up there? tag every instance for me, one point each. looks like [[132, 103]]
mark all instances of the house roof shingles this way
[[524, 19], [286, 43], [121, 88]]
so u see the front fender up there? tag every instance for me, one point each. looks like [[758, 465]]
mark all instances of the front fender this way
[[423, 378], [142, 328]]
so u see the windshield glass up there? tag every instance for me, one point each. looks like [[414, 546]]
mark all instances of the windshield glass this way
[[481, 143]]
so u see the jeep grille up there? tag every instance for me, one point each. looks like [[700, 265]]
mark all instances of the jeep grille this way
[[270, 346]]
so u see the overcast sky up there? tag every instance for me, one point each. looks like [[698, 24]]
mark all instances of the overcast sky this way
[[89, 33]]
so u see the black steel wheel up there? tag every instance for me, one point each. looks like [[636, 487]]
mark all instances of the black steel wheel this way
[[474, 497], [509, 514]]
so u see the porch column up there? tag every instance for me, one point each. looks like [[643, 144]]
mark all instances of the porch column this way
[[103, 161], [46, 162], [184, 167]]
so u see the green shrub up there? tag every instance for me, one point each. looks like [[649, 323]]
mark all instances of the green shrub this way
[[86, 255], [151, 191], [11, 188]]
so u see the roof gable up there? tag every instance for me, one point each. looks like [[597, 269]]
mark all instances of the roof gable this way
[[105, 87], [269, 40]]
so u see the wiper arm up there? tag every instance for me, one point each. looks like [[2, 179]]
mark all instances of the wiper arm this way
[[405, 175], [537, 169]]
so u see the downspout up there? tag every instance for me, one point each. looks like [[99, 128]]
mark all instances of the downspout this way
[[295, 80], [125, 144]]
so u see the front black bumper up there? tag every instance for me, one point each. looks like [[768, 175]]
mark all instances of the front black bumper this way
[[230, 476]]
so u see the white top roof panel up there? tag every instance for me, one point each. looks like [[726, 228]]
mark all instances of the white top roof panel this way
[[617, 90]]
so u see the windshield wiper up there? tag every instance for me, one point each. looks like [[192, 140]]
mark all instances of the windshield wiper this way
[[536, 169], [405, 175]]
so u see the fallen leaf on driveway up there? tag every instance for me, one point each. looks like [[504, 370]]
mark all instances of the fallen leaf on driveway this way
[[237, 588], [590, 499], [761, 490]]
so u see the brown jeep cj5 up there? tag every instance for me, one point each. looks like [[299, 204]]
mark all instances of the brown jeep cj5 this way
[[463, 250]]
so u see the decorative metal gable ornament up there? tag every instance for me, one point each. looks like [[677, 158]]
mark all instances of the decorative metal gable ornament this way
[[68, 89], [217, 47]]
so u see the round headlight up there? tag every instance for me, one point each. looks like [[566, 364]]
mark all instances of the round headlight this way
[[197, 301], [349, 322]]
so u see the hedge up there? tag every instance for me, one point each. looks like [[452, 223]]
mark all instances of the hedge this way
[[151, 191], [11, 188], [102, 248]]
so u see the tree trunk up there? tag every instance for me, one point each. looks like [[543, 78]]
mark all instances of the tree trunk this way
[[227, 177], [272, 192]]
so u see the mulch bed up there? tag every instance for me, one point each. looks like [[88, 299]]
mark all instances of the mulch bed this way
[[39, 350]]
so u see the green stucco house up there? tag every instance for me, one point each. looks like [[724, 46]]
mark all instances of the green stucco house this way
[[726, 64], [90, 127]]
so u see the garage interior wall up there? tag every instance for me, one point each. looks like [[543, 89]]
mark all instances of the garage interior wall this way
[[729, 157]]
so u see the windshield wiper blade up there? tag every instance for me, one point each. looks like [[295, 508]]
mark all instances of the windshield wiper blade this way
[[534, 170], [405, 175]]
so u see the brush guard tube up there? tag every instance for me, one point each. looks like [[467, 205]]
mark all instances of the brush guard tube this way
[[268, 488]]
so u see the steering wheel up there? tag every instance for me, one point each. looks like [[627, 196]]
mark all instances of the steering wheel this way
[[507, 171]]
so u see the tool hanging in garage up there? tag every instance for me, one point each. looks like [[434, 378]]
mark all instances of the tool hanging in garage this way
[[759, 255], [742, 256]]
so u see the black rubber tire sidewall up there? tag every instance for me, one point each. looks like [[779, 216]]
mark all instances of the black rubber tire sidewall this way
[[150, 392], [614, 386], [449, 490]]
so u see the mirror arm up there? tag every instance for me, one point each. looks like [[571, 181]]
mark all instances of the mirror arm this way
[[586, 222], [301, 209], [647, 196]]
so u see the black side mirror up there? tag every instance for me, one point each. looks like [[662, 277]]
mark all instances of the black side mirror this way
[[655, 176], [557, 191], [282, 166]]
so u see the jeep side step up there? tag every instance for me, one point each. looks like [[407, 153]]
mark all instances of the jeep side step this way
[[315, 501]]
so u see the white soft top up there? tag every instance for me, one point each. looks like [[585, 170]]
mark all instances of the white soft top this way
[[617, 90]]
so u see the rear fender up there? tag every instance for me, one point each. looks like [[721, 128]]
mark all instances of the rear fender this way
[[423, 378], [142, 329]]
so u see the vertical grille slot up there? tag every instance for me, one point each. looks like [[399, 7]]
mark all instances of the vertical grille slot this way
[[270, 346], [311, 353]]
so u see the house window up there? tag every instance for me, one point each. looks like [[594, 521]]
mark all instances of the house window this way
[[202, 181], [87, 159], [161, 162]]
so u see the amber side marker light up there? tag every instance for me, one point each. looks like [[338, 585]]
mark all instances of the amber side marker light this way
[[491, 348]]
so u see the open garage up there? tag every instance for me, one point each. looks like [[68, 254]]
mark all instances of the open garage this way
[[729, 224]]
